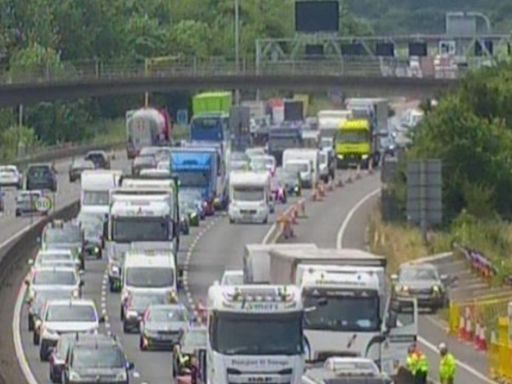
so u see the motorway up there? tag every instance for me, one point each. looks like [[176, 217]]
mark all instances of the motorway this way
[[340, 220]]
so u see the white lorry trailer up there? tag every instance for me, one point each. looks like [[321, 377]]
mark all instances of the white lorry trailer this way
[[256, 260], [330, 121], [138, 219], [255, 334], [347, 306], [96, 186]]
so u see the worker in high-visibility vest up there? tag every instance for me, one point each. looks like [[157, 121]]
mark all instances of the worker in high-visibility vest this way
[[447, 365], [417, 364]]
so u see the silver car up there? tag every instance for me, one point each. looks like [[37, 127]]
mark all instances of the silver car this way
[[423, 282], [162, 326], [65, 316]]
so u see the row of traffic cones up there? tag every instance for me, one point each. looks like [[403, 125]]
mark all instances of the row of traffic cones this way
[[475, 336]]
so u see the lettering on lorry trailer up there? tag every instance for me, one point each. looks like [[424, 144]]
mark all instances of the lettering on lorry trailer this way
[[255, 334]]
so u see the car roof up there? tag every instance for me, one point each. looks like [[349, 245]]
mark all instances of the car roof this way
[[413, 265], [73, 302], [55, 252], [55, 269], [168, 307]]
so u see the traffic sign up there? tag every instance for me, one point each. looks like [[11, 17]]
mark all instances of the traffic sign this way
[[44, 204]]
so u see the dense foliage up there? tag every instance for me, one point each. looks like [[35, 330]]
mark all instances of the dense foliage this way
[[36, 35], [471, 131], [427, 16]]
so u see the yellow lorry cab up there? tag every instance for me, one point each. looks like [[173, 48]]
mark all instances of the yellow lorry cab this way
[[354, 143]]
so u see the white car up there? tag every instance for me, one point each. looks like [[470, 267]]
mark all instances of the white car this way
[[65, 316], [232, 277], [31, 202], [54, 278], [10, 176], [56, 258]]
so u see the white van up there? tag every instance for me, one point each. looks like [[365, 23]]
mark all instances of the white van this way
[[96, 185], [147, 271], [310, 154], [305, 170], [249, 197]]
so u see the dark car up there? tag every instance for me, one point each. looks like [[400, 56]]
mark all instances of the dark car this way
[[100, 159], [58, 354], [41, 177], [134, 307], [96, 359], [92, 226], [60, 235], [77, 167], [162, 326], [290, 180], [184, 220]]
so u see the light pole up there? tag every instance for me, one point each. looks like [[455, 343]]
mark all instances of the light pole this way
[[237, 46]]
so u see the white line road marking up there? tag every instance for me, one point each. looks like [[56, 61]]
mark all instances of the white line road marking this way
[[16, 332], [346, 221], [426, 343]]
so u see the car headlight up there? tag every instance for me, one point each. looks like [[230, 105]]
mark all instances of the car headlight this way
[[193, 214], [73, 375], [436, 288], [131, 313], [122, 376], [76, 293], [364, 157]]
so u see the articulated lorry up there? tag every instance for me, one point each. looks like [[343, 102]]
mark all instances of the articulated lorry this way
[[348, 310], [147, 127], [140, 219], [210, 119], [255, 334]]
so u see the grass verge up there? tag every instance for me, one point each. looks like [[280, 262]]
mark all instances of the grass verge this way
[[401, 243]]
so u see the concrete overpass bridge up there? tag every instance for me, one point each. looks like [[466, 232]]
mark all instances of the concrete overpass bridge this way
[[354, 77]]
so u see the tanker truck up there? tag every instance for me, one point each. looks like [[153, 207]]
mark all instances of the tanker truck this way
[[146, 127]]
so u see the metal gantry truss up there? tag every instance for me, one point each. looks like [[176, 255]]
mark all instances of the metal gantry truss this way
[[293, 50]]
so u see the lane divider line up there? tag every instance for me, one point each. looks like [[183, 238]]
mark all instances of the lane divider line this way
[[426, 343]]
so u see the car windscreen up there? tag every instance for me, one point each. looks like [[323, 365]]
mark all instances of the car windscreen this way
[[412, 274], [41, 172], [141, 302], [103, 356], [194, 179], [167, 314], [54, 278], [95, 198], [63, 235], [44, 257], [140, 228], [70, 313]]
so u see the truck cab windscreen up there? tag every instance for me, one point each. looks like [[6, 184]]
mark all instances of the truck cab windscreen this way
[[352, 137], [95, 198], [281, 143], [344, 311], [145, 277], [129, 229], [257, 334], [193, 179], [297, 167], [208, 125], [252, 194]]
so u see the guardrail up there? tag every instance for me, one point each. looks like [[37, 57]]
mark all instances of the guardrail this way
[[59, 152], [90, 70]]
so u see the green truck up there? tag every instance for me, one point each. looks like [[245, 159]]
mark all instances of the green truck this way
[[212, 102]]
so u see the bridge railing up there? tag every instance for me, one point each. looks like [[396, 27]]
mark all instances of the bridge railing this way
[[219, 66]]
